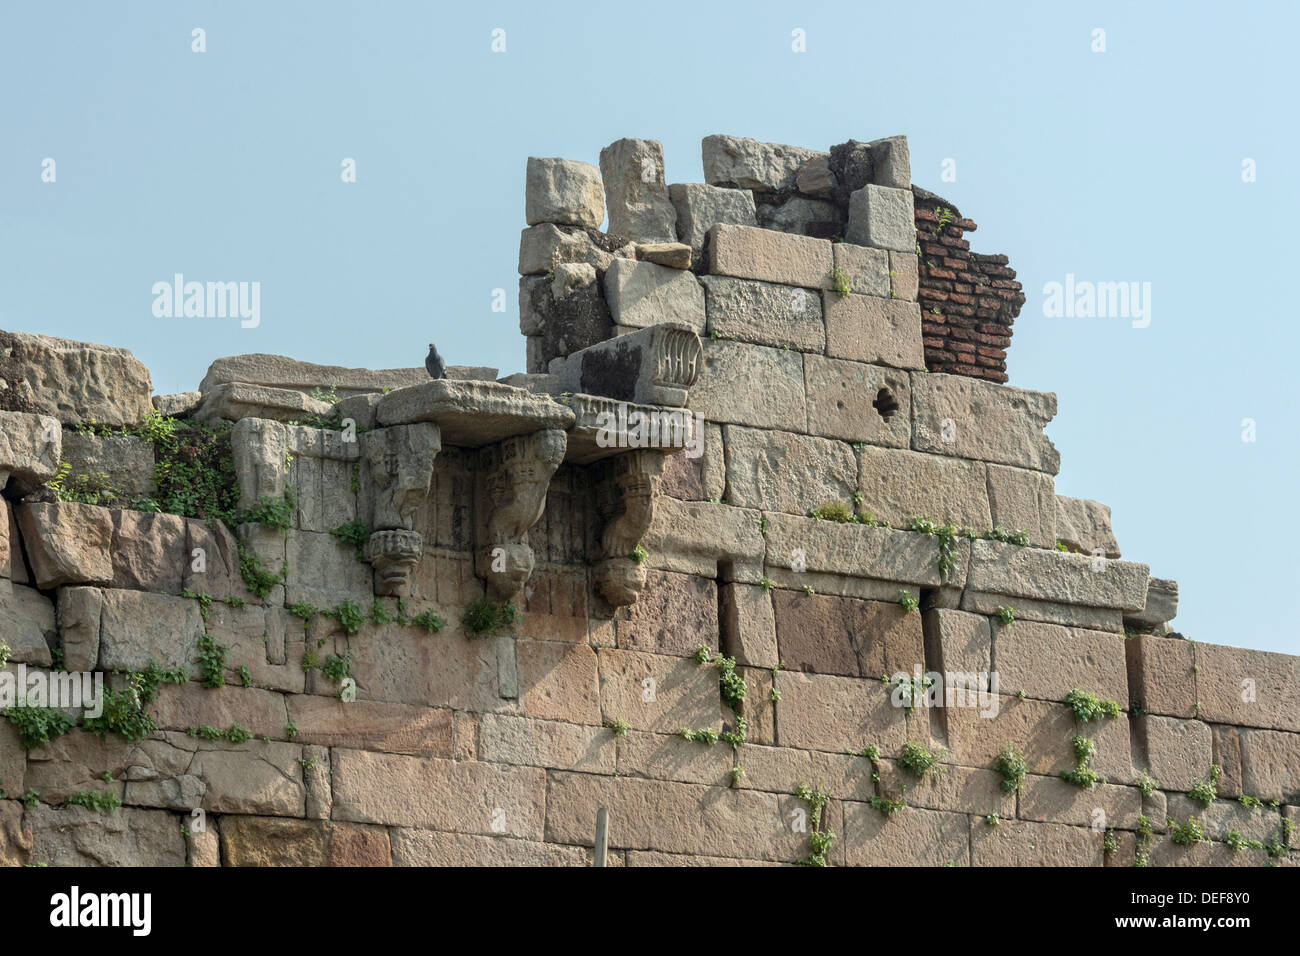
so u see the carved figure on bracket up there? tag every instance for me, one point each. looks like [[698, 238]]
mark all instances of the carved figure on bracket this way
[[400, 461], [626, 499], [516, 475]]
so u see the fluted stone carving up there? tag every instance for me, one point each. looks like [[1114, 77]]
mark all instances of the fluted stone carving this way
[[626, 498], [516, 475]]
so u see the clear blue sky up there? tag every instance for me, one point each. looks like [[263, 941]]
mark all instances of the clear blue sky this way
[[1115, 166]]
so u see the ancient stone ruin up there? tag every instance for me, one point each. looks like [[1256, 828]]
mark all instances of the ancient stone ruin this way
[[759, 554]]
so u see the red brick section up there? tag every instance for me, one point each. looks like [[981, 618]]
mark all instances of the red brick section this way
[[968, 300]]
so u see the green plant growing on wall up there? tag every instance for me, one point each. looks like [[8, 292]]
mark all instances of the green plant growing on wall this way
[[766, 584], [1186, 834], [1147, 784], [36, 726], [1081, 774], [1020, 538], [274, 513], [349, 615], [947, 537], [291, 731], [705, 736], [31, 796], [259, 581], [639, 555], [1110, 842], [841, 282], [1005, 615], [125, 710], [213, 659], [483, 617], [885, 806], [737, 775], [819, 837], [337, 668], [918, 758], [355, 534], [618, 728], [429, 621], [1088, 707], [908, 600], [992, 820], [1207, 791], [1145, 837], [737, 736], [1011, 765]]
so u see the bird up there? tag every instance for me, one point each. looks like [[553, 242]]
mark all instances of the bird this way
[[434, 363]]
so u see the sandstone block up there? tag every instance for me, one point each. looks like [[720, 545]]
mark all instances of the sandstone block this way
[[1270, 764], [1023, 500], [1162, 603], [372, 725], [764, 314], [838, 714], [959, 643], [15, 834], [74, 381], [1178, 752], [904, 275], [750, 253], [674, 255], [635, 192], [282, 372], [178, 404], [149, 551], [76, 836], [858, 402], [121, 462], [1007, 569], [563, 191], [751, 385], [1022, 843], [657, 693], [545, 246], [868, 269], [1251, 688], [1084, 525], [700, 207], [1047, 661], [670, 757], [780, 471], [868, 328], [750, 164], [911, 837], [814, 178], [67, 542], [674, 614], [237, 400], [79, 611], [136, 627], [967, 418], [1052, 800], [1162, 675], [524, 742], [891, 162], [468, 797], [748, 625], [642, 294], [694, 537], [260, 712], [417, 847], [956, 789], [268, 841], [882, 216], [897, 485], [824, 634], [802, 216], [26, 624]]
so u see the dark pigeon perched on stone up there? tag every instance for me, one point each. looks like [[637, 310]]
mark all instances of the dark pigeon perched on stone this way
[[434, 363]]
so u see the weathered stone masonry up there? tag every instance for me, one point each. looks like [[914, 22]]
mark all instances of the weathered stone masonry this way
[[783, 300]]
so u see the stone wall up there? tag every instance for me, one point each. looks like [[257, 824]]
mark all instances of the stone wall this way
[[360, 617]]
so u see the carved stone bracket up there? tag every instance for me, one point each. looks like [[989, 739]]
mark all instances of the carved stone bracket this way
[[400, 465], [517, 473], [626, 498]]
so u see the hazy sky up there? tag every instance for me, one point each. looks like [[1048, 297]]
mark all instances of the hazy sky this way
[[1117, 166]]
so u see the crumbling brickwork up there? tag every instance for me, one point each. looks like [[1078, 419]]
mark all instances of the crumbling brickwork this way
[[734, 559]]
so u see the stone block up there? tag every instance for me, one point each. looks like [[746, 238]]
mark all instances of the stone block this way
[[839, 714], [418, 847], [323, 571], [123, 464], [1178, 752], [558, 681], [642, 294], [371, 725], [897, 485], [545, 246], [868, 328], [523, 742], [563, 191], [815, 178], [1270, 764], [76, 836], [1247, 687], [1162, 675], [635, 193], [653, 366], [1024, 843], [751, 385], [959, 643], [468, 797], [904, 275], [178, 404], [674, 614], [149, 551], [748, 625], [670, 757], [802, 216], [700, 478], [911, 837], [74, 381], [761, 313], [136, 627], [1053, 800], [882, 216], [282, 372], [955, 789], [695, 537], [1083, 525], [27, 625], [674, 255], [857, 402], [780, 471], [656, 693], [267, 841], [233, 401], [825, 634], [868, 269], [750, 164], [967, 418], [1008, 569], [31, 448], [1161, 606], [260, 712], [67, 542], [700, 207], [891, 162], [1047, 661], [79, 611], [1023, 500], [750, 253]]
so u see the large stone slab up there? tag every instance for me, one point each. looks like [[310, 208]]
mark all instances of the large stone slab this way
[[868, 328], [1023, 500], [750, 253], [780, 471], [563, 191], [122, 462], [700, 207], [867, 269], [642, 294], [912, 837], [882, 216], [1247, 687], [1047, 661], [964, 417], [31, 447], [1162, 603], [736, 161], [762, 313], [236, 400], [825, 634], [473, 413], [280, 371], [67, 542], [897, 485], [1083, 525], [635, 192], [656, 365], [694, 537], [842, 714], [1035, 573], [751, 385], [1162, 674], [76, 836], [27, 625], [72, 381], [857, 402], [1178, 752], [544, 247]]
